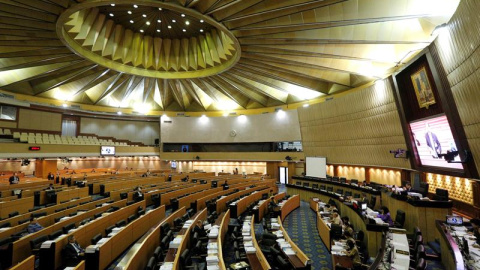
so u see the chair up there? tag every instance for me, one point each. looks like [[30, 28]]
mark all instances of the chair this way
[[5, 225], [284, 265], [55, 234], [421, 265], [239, 256], [121, 223], [158, 253], [131, 218], [420, 254], [151, 263], [96, 238], [13, 214], [37, 242], [164, 228], [109, 229], [177, 223], [68, 227], [399, 219]]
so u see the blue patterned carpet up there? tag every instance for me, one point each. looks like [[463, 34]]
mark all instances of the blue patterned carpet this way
[[302, 229]]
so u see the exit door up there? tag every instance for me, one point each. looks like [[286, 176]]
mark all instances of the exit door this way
[[283, 175]]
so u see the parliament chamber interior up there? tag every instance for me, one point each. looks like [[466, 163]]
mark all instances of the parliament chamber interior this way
[[228, 134]]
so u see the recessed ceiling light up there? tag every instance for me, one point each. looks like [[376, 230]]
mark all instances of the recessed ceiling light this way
[[305, 105], [159, 8], [129, 12], [131, 21], [135, 6], [111, 14], [201, 30], [174, 21], [144, 15], [141, 31], [201, 21], [159, 21], [119, 113], [158, 30], [184, 30], [183, 15], [187, 22], [169, 27], [148, 23], [65, 105], [112, 5]]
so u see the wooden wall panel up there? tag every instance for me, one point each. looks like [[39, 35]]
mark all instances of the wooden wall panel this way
[[459, 189], [39, 120], [359, 128], [8, 124], [459, 48]]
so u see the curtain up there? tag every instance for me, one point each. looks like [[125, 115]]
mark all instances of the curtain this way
[[69, 128]]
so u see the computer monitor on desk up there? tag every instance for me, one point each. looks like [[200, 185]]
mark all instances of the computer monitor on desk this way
[[454, 220]]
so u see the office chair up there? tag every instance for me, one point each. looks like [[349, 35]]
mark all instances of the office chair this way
[[421, 265], [37, 242], [55, 234], [96, 238], [399, 219], [151, 263]]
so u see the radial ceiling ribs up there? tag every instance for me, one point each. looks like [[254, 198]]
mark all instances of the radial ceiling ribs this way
[[207, 55]]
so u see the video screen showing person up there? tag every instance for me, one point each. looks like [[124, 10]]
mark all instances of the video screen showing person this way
[[433, 139]]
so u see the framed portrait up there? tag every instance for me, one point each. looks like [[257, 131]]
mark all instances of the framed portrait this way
[[423, 88]]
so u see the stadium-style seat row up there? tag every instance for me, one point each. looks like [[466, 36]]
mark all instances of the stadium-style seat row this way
[[44, 138], [5, 131]]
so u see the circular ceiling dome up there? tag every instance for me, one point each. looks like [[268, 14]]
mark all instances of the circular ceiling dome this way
[[148, 38]]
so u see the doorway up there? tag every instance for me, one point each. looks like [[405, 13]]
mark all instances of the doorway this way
[[283, 175]]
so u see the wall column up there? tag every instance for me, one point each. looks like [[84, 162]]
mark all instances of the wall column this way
[[43, 167]]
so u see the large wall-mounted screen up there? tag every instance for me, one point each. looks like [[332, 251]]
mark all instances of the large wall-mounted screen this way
[[316, 167], [433, 138], [107, 150]]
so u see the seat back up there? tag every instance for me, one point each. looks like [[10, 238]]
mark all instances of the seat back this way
[[151, 263], [55, 234], [184, 259], [121, 223], [96, 238], [35, 243], [109, 229], [13, 214], [68, 227], [421, 264], [400, 218]]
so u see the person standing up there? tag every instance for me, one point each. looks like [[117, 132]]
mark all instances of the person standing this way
[[14, 179]]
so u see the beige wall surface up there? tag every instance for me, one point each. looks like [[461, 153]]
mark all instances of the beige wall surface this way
[[135, 131], [358, 128], [8, 124], [39, 120], [271, 127], [458, 45]]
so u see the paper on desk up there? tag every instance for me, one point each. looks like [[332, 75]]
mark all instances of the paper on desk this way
[[250, 250], [289, 251]]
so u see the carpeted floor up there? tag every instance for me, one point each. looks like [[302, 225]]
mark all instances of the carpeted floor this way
[[302, 229]]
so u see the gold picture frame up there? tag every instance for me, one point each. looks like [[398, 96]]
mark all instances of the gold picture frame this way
[[423, 88]]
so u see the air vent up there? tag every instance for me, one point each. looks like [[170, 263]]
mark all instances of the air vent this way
[[3, 95], [233, 113], [181, 114], [167, 121], [328, 99], [75, 106]]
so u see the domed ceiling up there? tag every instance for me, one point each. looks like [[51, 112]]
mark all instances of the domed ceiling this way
[[207, 55]]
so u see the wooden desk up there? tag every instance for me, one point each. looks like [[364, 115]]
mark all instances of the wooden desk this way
[[342, 261], [18, 205], [27, 264], [256, 260], [291, 204], [299, 260], [324, 231], [451, 255], [422, 214]]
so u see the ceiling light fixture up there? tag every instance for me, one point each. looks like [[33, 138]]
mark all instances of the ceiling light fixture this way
[[184, 30], [135, 6], [111, 14], [112, 5], [158, 30], [169, 27], [119, 113], [174, 21], [159, 21], [201, 30], [131, 21], [187, 22], [201, 21], [159, 8], [148, 23], [144, 15], [129, 12], [183, 15], [141, 31], [306, 105]]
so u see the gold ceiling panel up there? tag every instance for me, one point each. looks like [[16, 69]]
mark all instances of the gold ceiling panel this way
[[206, 55]]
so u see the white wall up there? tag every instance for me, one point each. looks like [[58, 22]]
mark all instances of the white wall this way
[[135, 131], [271, 127]]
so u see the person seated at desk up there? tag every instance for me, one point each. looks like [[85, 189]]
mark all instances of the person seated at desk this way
[[225, 185], [138, 195], [348, 235], [475, 230], [50, 187], [352, 252], [185, 179], [335, 219], [385, 215], [199, 229], [50, 176], [73, 252], [14, 179], [34, 226]]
